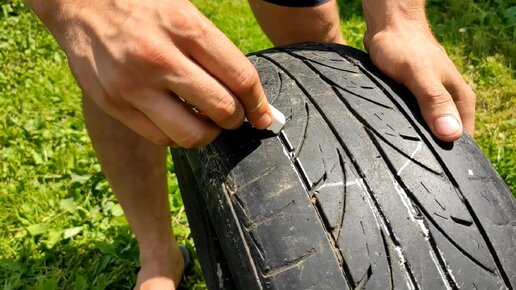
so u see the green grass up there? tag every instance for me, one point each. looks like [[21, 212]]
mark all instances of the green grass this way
[[61, 227]]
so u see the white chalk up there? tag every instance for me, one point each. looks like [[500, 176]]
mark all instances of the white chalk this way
[[278, 120]]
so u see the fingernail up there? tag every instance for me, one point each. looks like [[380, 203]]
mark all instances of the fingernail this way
[[446, 125], [264, 121]]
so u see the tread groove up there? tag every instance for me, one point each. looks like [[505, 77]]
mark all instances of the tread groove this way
[[302, 172], [388, 257], [443, 232], [307, 61], [450, 176], [318, 183], [277, 213], [325, 223], [280, 218], [257, 245], [411, 158], [461, 221], [343, 264], [259, 176], [406, 265], [363, 282], [279, 89], [288, 264], [364, 122], [344, 195], [370, 129], [411, 138], [361, 97], [241, 205], [332, 67], [284, 139], [305, 130], [429, 237]]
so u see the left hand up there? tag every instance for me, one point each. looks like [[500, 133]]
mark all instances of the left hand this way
[[414, 58]]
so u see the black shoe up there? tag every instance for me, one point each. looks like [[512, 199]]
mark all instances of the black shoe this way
[[189, 264]]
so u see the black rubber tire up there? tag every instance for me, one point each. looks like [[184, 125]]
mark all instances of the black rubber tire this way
[[354, 193]]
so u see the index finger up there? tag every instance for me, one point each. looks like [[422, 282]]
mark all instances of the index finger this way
[[223, 60]]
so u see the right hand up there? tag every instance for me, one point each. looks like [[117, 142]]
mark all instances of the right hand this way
[[147, 63]]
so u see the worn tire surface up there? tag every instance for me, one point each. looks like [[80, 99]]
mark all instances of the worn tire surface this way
[[354, 193]]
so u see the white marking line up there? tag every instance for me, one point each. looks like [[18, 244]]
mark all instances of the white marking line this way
[[441, 272], [408, 205], [402, 262], [340, 183], [419, 146], [426, 232], [356, 181], [404, 198], [380, 223], [448, 269], [331, 184]]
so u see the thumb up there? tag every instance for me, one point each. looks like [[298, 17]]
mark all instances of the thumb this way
[[437, 107]]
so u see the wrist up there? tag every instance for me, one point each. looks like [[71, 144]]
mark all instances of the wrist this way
[[68, 22], [55, 14], [392, 15], [388, 19]]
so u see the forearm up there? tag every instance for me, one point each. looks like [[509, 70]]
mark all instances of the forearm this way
[[55, 15], [51, 12], [394, 14]]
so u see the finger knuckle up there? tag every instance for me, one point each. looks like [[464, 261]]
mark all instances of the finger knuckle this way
[[162, 140], [115, 80], [246, 80], [193, 139], [227, 110], [149, 51], [188, 25], [437, 96], [408, 66], [404, 69]]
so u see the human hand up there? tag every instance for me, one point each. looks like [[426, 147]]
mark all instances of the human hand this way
[[147, 63], [411, 56]]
